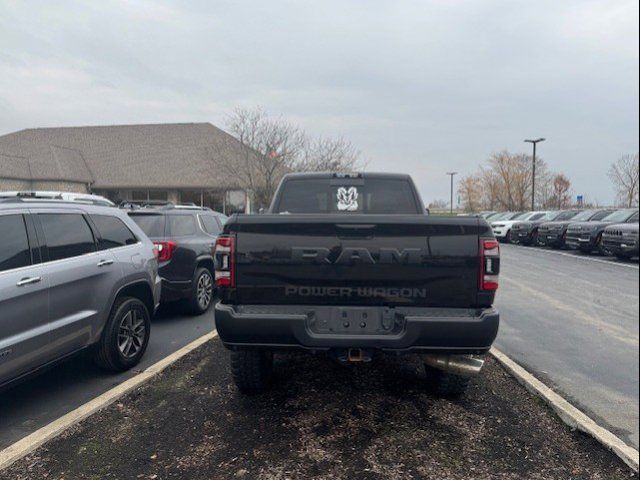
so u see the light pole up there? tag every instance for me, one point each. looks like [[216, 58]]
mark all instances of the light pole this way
[[452, 174], [533, 181]]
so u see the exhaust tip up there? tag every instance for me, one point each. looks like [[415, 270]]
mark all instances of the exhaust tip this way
[[464, 365], [355, 355]]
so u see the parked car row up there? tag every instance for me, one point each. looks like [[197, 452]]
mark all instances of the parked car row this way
[[79, 274], [603, 231]]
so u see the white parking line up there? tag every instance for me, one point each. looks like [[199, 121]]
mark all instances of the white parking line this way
[[578, 257], [28, 444], [567, 412]]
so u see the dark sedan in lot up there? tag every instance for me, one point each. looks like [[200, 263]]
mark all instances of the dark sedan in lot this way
[[621, 240], [527, 232], [554, 234], [587, 236]]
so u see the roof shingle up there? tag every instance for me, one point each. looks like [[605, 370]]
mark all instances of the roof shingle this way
[[120, 156]]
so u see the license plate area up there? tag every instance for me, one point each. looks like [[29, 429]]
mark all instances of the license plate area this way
[[355, 321]]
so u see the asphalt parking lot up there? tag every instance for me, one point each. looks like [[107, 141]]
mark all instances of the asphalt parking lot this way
[[321, 420], [572, 320]]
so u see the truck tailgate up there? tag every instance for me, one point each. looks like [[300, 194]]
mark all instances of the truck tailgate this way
[[394, 260]]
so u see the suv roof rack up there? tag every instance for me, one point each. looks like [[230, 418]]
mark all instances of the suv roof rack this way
[[30, 194], [58, 197], [159, 205]]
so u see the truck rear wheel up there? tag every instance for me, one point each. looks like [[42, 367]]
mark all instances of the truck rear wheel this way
[[251, 370], [446, 384]]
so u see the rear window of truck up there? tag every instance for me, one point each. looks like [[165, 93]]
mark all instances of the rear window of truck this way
[[372, 196]]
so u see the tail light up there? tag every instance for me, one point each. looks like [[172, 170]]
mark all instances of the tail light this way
[[225, 265], [489, 264], [164, 250]]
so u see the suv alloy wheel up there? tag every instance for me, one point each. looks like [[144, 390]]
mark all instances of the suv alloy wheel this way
[[203, 290], [125, 336]]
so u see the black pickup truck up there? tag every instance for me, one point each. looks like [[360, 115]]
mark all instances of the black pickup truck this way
[[351, 265]]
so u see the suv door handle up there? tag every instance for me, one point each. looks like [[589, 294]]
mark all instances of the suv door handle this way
[[28, 281], [104, 263]]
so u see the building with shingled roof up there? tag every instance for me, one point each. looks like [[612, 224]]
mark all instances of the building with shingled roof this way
[[173, 162]]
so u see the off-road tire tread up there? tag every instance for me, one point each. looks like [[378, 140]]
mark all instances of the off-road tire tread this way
[[251, 370]]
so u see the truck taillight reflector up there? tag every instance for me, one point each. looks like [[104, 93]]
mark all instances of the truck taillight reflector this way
[[224, 255], [489, 264], [164, 250]]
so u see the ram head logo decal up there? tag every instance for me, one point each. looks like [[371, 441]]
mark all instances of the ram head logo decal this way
[[347, 199]]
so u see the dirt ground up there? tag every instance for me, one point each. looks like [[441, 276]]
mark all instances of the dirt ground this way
[[321, 420]]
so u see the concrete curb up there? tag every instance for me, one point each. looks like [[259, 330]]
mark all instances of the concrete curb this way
[[567, 412], [31, 442]]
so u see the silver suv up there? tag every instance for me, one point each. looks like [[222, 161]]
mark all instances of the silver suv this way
[[72, 277]]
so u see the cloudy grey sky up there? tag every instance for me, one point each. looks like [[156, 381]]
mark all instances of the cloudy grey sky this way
[[419, 86]]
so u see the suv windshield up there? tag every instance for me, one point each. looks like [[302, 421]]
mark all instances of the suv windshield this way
[[583, 216], [565, 216], [619, 216], [524, 216], [600, 215], [329, 195], [151, 224], [541, 216]]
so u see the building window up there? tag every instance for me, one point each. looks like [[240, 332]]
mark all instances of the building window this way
[[214, 199], [158, 195], [139, 195], [236, 202], [190, 196]]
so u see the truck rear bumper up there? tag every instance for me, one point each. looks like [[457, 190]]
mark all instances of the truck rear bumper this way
[[451, 330]]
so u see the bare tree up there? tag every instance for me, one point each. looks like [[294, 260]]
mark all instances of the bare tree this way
[[438, 204], [329, 155], [544, 184], [513, 173], [504, 182], [561, 195], [271, 147], [490, 183], [470, 191], [624, 175]]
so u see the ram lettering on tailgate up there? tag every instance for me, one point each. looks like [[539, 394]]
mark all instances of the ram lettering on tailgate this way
[[351, 255]]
